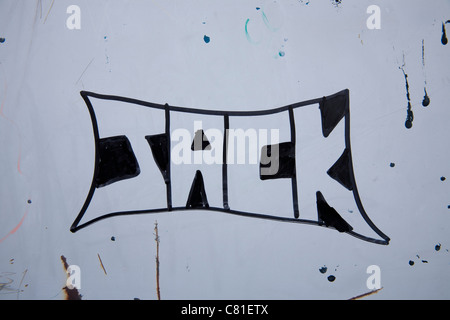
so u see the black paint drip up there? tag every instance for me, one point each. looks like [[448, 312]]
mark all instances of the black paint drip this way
[[444, 39], [426, 98], [409, 113]]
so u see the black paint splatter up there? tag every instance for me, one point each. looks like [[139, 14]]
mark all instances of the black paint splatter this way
[[426, 99], [29, 201], [331, 278], [2, 40], [444, 39], [424, 261], [442, 178], [409, 113], [113, 238], [336, 3], [411, 263], [392, 164], [437, 247], [323, 269]]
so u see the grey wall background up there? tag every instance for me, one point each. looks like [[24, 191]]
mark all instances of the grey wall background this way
[[155, 51]]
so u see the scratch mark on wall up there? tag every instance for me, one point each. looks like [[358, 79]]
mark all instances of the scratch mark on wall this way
[[84, 70], [366, 294], [101, 264], [50, 9]]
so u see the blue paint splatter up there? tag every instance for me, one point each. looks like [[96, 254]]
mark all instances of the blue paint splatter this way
[[281, 53], [257, 8], [206, 39], [2, 40]]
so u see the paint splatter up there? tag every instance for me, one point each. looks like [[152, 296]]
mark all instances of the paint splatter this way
[[437, 247], [323, 269], [2, 40], [331, 278], [247, 35], [267, 23], [336, 3], [14, 230], [29, 201], [442, 178], [409, 112], [392, 164], [424, 261], [426, 98], [444, 39], [281, 53], [113, 238], [411, 263], [206, 39]]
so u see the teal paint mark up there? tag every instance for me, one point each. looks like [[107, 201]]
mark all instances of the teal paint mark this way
[[206, 39], [267, 23], [247, 35], [281, 53]]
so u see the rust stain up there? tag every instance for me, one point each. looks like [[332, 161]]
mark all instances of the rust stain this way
[[71, 294]]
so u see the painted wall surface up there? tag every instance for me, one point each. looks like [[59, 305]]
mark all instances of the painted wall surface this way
[[233, 56]]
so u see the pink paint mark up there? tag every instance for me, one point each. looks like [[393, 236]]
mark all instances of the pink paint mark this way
[[15, 228]]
